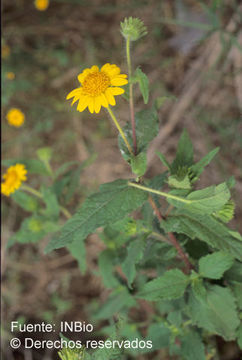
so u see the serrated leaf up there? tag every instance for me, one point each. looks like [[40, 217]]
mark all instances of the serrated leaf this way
[[184, 154], [205, 228], [205, 201], [176, 182], [114, 201], [134, 255], [26, 201], [192, 347], [217, 313], [105, 264], [214, 265], [226, 213], [198, 168], [169, 286], [146, 122], [143, 81], [139, 164]]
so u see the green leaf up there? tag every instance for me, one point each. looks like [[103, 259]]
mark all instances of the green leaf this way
[[169, 286], [78, 251], [179, 183], [134, 255], [52, 206], [214, 265], [198, 168], [205, 228], [114, 201], [163, 159], [26, 201], [143, 81], [216, 314], [184, 154], [146, 122], [205, 201], [105, 265], [139, 164], [239, 335], [192, 347], [118, 300], [159, 334], [44, 154]]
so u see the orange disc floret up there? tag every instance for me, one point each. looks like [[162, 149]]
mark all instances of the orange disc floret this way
[[98, 87], [13, 179], [15, 117]]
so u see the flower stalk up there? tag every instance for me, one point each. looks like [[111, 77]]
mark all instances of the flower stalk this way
[[120, 130], [39, 195], [131, 96]]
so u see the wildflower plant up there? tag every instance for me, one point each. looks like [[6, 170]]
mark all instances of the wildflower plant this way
[[178, 257]]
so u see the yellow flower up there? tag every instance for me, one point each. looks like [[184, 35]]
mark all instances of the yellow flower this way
[[98, 87], [41, 5], [15, 117], [13, 179], [5, 51], [10, 75]]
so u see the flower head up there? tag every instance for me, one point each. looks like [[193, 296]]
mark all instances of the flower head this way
[[10, 75], [5, 51], [15, 117], [13, 178], [41, 5], [133, 28], [98, 87]]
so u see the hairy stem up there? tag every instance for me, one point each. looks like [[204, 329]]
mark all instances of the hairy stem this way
[[39, 195], [120, 130], [172, 237], [131, 95]]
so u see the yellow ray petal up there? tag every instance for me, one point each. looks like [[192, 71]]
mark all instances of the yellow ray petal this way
[[118, 81], [83, 103], [110, 97], [94, 68], [103, 100], [97, 105], [75, 92], [91, 104], [116, 90]]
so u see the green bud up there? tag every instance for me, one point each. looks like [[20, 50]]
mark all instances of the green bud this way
[[44, 154], [133, 28]]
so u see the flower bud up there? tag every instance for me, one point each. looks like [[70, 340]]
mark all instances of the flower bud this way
[[133, 28]]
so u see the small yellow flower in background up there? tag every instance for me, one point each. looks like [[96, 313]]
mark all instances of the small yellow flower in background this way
[[5, 51], [98, 87], [13, 179], [10, 75], [15, 117], [41, 5]]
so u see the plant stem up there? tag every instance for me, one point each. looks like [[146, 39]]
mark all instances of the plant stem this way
[[39, 195], [161, 193], [172, 237], [120, 130], [131, 96]]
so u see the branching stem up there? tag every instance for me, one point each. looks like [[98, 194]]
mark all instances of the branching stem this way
[[39, 195], [172, 237]]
